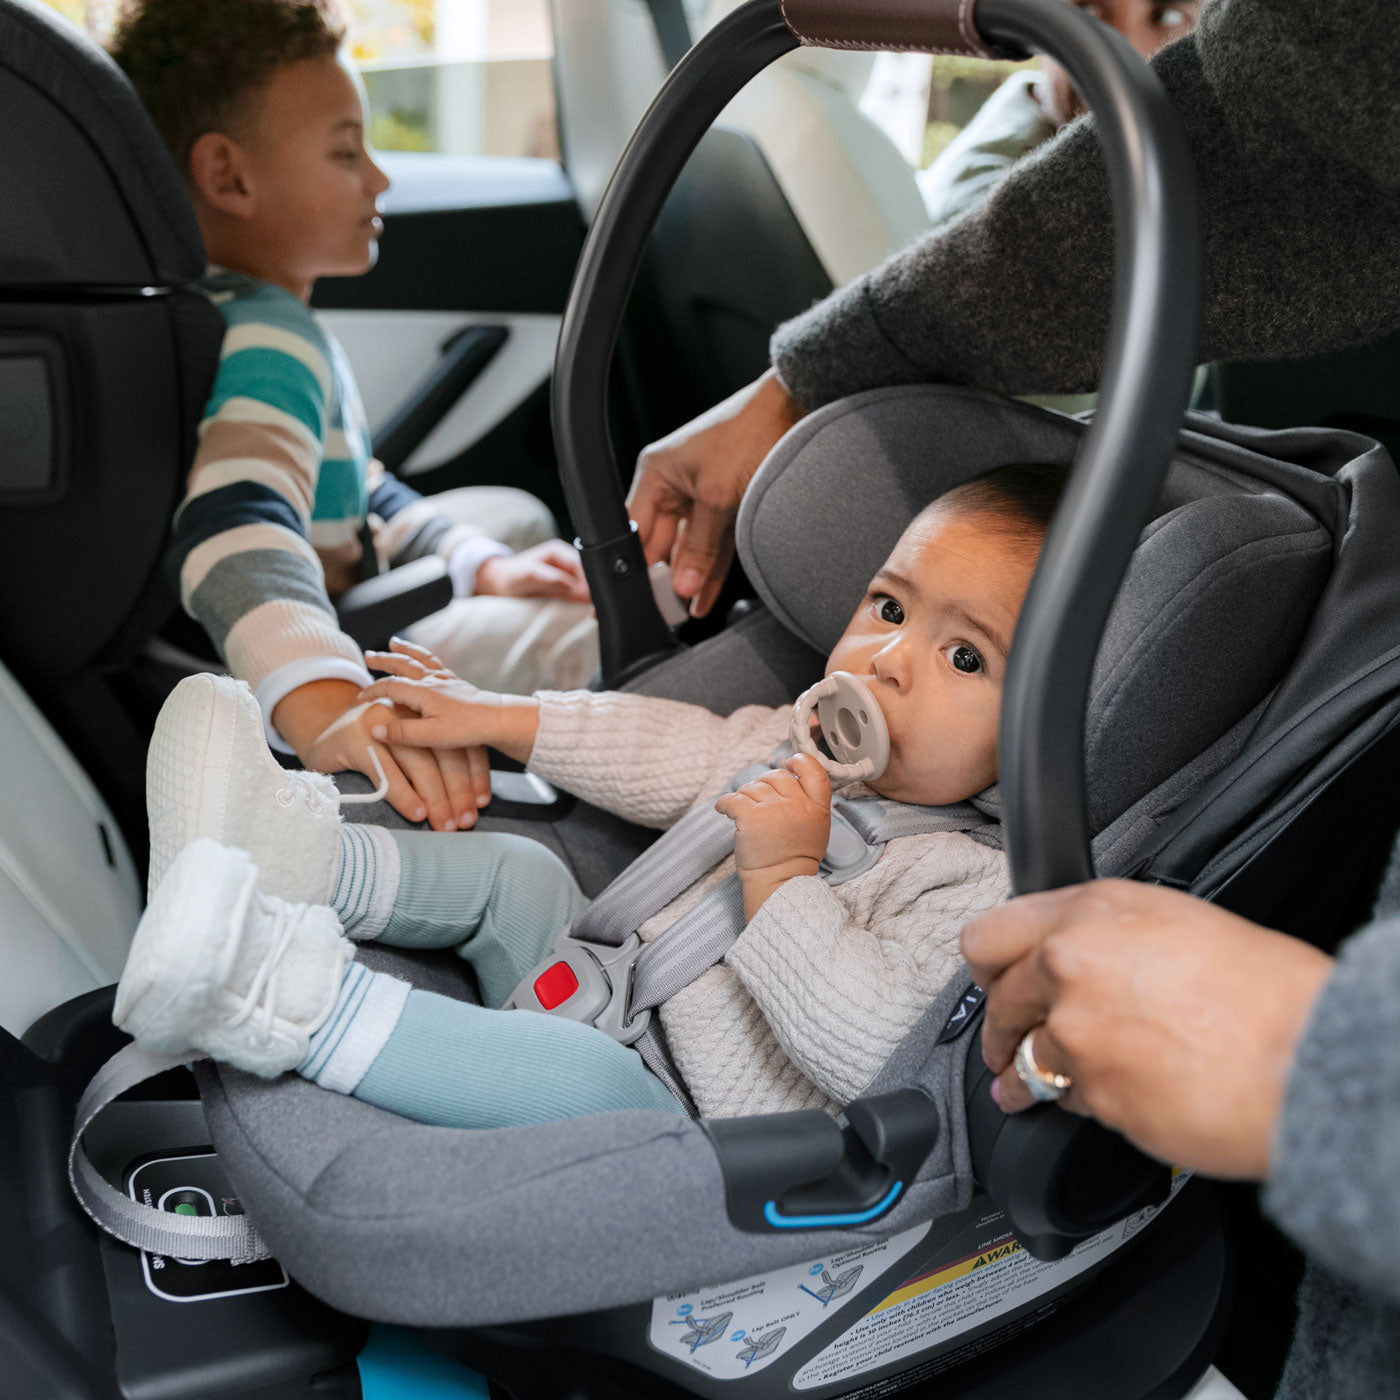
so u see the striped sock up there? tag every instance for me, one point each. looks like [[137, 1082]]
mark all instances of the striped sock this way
[[366, 880], [349, 1042]]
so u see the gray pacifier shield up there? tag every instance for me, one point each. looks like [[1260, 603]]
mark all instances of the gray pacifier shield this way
[[851, 723]]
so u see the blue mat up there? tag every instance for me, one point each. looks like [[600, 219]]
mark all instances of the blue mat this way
[[395, 1365]]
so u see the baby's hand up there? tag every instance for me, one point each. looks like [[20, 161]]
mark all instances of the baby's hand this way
[[437, 709], [782, 824]]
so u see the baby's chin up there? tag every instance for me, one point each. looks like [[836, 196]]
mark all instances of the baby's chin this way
[[902, 787]]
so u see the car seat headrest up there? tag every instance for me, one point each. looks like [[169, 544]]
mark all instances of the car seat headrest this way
[[1214, 605], [91, 193]]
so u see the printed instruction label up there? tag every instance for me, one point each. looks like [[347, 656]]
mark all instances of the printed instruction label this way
[[734, 1328], [932, 1309]]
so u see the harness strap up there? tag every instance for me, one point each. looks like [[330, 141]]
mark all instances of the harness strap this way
[[142, 1226], [672, 863]]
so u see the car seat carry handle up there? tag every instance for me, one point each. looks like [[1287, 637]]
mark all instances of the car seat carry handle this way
[[803, 1171], [1122, 458]]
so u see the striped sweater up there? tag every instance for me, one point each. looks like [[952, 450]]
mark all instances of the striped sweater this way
[[272, 524]]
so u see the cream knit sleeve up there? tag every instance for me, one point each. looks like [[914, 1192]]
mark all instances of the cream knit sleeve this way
[[842, 979], [646, 759]]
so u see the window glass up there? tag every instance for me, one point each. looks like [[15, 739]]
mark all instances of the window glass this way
[[922, 103], [471, 77]]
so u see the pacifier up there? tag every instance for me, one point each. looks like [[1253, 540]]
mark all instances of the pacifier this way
[[852, 724]]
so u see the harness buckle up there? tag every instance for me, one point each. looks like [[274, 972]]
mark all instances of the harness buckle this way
[[588, 982]]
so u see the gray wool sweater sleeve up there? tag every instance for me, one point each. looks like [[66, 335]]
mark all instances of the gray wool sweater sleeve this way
[[1292, 112], [1336, 1155]]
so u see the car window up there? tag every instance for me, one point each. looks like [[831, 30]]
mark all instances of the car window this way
[[464, 77], [922, 103]]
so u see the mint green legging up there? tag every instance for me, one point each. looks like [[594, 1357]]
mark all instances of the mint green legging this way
[[499, 900]]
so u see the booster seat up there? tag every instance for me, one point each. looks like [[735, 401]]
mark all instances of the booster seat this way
[[1265, 551]]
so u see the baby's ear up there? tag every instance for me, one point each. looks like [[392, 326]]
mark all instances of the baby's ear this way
[[217, 174]]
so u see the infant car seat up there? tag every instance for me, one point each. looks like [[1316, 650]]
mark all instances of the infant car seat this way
[[610, 1244]]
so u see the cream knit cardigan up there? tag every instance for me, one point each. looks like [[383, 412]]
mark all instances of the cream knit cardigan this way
[[825, 981]]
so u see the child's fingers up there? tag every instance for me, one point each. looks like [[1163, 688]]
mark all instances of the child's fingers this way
[[391, 663], [480, 765], [774, 786], [411, 731], [401, 795], [812, 777], [456, 769], [411, 694], [731, 804], [421, 768], [406, 648]]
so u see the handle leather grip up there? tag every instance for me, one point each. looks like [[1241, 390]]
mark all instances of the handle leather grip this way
[[918, 26]]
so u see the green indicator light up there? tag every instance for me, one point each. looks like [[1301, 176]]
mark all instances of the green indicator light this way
[[186, 1208]]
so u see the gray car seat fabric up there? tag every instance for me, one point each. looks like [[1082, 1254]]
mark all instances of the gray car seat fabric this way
[[1209, 617], [435, 1226], [1265, 549]]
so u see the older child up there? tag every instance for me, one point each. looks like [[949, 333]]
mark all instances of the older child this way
[[268, 127], [819, 987]]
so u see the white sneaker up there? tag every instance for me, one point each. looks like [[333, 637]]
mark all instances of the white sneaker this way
[[209, 772], [217, 966]]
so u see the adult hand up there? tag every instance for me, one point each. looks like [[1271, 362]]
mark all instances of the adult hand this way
[[1176, 1021], [688, 486], [548, 570]]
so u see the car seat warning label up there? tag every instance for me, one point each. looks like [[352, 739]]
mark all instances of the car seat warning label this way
[[957, 1296], [734, 1328]]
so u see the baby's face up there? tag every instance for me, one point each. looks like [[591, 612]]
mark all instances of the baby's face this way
[[933, 630]]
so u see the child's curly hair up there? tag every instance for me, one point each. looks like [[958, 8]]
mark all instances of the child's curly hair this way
[[194, 62]]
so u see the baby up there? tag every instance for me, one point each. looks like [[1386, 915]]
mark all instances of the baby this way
[[245, 950]]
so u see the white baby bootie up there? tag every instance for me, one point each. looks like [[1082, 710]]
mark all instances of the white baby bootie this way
[[219, 967], [209, 772]]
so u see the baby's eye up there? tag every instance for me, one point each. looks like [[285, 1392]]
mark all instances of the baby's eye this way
[[965, 658], [891, 612]]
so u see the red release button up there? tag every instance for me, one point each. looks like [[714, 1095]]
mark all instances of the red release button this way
[[555, 985]]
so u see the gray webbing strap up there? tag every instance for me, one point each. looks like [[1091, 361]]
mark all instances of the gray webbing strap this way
[[142, 1226], [881, 819], [697, 940], [705, 933], [671, 864]]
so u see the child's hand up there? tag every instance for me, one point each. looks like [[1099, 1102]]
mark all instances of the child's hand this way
[[549, 570], [444, 787], [438, 710], [782, 823]]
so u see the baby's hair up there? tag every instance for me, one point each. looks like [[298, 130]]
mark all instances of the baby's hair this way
[[195, 62], [1019, 498]]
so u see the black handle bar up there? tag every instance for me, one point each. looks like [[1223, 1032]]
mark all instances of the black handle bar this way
[[1118, 469]]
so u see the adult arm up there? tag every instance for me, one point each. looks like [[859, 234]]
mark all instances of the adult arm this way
[[1290, 109], [1336, 1150]]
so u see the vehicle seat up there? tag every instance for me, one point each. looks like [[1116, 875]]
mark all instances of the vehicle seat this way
[[106, 354]]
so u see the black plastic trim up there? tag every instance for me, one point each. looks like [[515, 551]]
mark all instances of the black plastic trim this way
[[786, 1171], [464, 358]]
